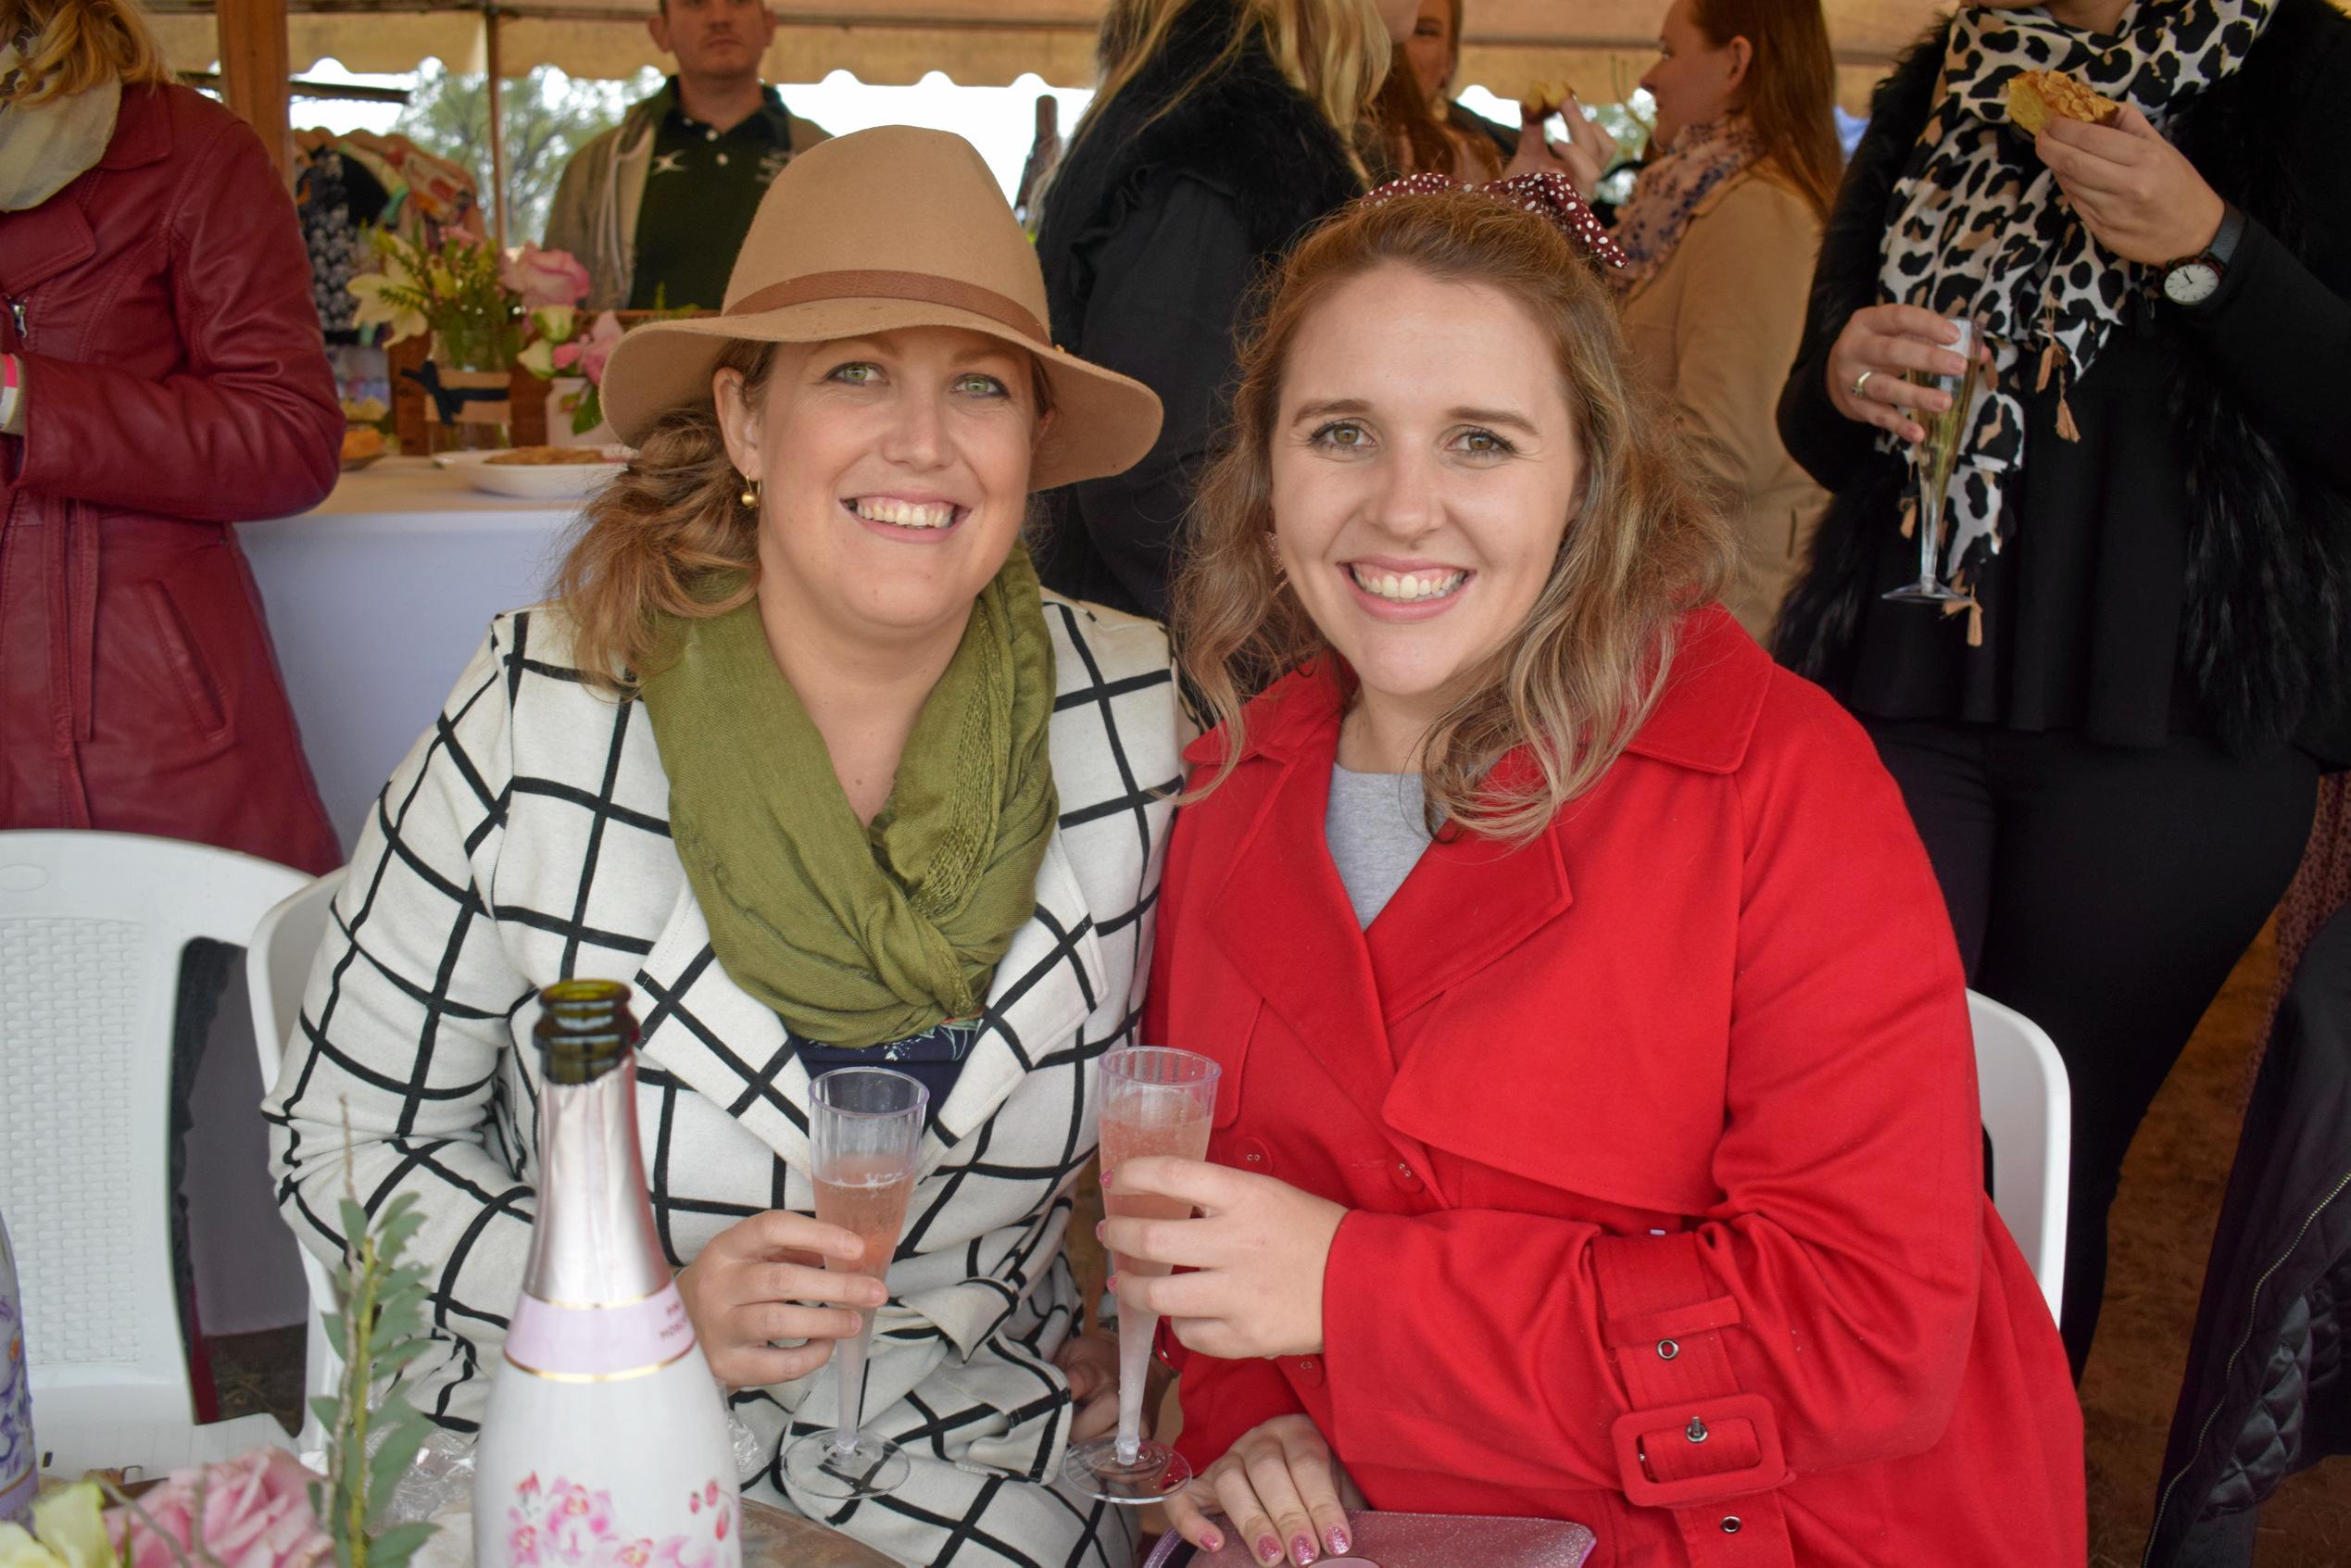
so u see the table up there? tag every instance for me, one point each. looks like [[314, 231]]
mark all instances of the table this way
[[377, 597]]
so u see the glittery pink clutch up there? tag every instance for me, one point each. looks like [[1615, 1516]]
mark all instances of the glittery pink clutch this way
[[1420, 1541]]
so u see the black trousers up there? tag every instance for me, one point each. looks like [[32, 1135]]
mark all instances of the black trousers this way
[[2104, 892]]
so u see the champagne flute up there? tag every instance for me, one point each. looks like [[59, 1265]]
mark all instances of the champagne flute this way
[[1155, 1101], [1937, 458], [865, 1130]]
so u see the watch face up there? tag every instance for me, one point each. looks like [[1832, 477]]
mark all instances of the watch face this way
[[2191, 283]]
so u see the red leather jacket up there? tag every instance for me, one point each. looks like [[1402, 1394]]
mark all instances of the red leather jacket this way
[[175, 383]]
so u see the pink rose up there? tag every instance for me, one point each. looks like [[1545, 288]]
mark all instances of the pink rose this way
[[591, 349], [252, 1511], [544, 277]]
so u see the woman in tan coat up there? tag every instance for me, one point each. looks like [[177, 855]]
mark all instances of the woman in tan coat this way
[[1722, 229]]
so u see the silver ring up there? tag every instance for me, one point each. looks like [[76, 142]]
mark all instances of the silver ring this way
[[1861, 386]]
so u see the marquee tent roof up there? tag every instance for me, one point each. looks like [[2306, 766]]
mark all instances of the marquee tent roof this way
[[1597, 45]]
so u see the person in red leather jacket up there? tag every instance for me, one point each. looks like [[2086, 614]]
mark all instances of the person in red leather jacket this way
[[166, 378], [1611, 1153]]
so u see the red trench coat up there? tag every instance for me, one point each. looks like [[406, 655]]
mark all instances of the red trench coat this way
[[175, 383], [1660, 1141]]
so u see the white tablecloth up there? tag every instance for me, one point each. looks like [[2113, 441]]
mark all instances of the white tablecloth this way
[[375, 600]]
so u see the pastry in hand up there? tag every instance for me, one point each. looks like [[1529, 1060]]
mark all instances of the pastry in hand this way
[[1544, 100], [2036, 97]]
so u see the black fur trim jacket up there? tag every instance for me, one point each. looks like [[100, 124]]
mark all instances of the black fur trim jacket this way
[[2259, 411], [1164, 217]]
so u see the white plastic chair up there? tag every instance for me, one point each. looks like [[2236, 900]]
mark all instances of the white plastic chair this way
[[92, 930], [277, 968], [2027, 1113]]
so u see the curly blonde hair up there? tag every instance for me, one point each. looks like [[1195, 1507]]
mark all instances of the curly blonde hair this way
[[663, 539], [72, 45], [1576, 681]]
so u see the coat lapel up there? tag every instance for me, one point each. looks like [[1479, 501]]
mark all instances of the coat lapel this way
[[736, 1052], [1467, 902], [1283, 920]]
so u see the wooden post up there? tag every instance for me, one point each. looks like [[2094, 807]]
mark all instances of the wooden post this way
[[495, 56], [253, 72]]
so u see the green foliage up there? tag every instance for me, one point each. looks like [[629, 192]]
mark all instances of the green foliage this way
[[547, 117], [378, 1329]]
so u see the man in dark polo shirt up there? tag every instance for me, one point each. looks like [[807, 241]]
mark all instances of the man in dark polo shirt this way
[[655, 208]]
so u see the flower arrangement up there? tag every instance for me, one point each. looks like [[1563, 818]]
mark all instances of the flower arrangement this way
[[564, 347], [479, 305], [264, 1509]]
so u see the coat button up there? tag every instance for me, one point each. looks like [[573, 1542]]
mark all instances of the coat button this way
[[1310, 1370], [1668, 1349], [1255, 1156], [1406, 1177], [1731, 1523], [1695, 1431]]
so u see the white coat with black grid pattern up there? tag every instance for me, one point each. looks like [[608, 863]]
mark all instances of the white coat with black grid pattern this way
[[524, 840]]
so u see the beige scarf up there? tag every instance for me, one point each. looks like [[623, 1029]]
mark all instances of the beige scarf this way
[[49, 145]]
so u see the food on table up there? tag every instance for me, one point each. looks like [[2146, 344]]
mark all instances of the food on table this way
[[550, 457], [2036, 97], [361, 443]]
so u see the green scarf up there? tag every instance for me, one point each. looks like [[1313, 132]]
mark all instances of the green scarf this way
[[859, 936]]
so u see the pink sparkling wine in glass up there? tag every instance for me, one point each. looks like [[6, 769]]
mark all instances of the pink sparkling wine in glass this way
[[867, 1198], [1146, 1123]]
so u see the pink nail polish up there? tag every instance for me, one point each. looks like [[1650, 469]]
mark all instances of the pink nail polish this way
[[1338, 1542], [1301, 1550], [1269, 1550], [1211, 1541]]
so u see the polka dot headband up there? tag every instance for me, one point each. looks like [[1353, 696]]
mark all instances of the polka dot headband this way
[[1548, 196]]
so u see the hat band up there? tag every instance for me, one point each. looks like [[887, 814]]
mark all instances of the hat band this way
[[923, 287]]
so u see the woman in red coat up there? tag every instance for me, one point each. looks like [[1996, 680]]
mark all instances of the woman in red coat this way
[[162, 376], [1614, 1156]]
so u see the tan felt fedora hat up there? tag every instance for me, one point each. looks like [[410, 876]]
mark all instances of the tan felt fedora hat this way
[[888, 228]]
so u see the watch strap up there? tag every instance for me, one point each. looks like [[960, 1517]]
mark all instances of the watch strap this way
[[2224, 241]]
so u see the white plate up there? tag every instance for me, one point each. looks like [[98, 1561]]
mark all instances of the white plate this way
[[532, 482]]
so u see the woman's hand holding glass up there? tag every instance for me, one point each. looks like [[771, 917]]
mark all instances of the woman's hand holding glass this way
[[1886, 343], [1090, 1362], [2138, 194], [755, 1282], [1255, 1257], [1282, 1490]]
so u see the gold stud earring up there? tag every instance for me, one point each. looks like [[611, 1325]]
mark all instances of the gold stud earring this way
[[750, 496]]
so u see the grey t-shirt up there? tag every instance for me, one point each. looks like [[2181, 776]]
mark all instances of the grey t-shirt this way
[[1377, 826]]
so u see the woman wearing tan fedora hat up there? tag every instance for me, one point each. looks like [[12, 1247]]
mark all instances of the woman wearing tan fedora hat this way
[[804, 755]]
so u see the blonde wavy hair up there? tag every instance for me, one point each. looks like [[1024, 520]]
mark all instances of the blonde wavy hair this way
[[1335, 51], [1576, 679], [670, 537], [72, 45]]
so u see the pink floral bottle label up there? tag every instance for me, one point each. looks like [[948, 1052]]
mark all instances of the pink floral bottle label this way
[[599, 1343], [568, 1525]]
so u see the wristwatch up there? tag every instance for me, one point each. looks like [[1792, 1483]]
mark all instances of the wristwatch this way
[[2198, 279]]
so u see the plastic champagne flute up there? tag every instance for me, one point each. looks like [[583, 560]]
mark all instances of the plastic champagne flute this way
[[1938, 458], [865, 1130], [1155, 1101]]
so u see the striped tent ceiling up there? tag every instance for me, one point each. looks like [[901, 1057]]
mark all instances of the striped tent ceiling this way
[[1596, 45]]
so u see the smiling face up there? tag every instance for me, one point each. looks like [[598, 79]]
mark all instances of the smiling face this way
[[1424, 469], [894, 477], [1695, 81]]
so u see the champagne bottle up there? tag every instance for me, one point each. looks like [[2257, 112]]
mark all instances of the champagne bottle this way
[[19, 1459], [605, 1442]]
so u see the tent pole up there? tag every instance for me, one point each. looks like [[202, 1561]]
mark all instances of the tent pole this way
[[254, 70], [498, 193]]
